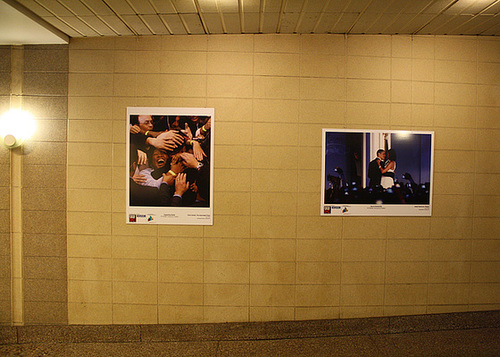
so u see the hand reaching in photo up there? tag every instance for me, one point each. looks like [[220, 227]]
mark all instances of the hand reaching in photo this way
[[134, 129], [142, 157], [181, 185], [189, 160], [162, 143], [187, 132], [139, 179], [198, 152]]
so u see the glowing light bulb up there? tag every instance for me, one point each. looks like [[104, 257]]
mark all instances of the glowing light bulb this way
[[16, 126]]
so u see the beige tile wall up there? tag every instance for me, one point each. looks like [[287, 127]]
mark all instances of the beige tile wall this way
[[269, 255]]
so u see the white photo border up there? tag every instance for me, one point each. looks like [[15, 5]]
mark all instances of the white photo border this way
[[376, 208], [165, 214]]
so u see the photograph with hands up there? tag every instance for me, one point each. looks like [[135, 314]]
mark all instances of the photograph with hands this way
[[376, 172], [169, 165]]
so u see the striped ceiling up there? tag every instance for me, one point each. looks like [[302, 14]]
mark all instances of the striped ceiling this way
[[94, 18]]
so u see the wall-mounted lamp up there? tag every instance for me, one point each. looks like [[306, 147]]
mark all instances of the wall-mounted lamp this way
[[16, 126]]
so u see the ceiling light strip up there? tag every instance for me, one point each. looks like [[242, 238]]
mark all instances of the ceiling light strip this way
[[221, 17], [451, 18], [359, 16], [280, 18], [121, 18], [435, 17], [163, 21], [99, 17], [60, 19], [79, 18], [340, 16], [242, 16], [261, 15], [432, 2], [200, 15], [322, 13], [478, 14], [495, 23], [389, 4], [301, 16], [384, 30], [184, 23], [141, 18], [487, 19]]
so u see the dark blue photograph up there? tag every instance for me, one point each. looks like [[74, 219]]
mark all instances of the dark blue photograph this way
[[376, 172]]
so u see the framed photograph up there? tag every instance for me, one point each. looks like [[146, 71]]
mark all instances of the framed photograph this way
[[170, 166], [376, 172]]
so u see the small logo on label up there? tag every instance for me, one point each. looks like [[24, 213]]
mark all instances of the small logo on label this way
[[132, 218], [344, 210], [327, 209]]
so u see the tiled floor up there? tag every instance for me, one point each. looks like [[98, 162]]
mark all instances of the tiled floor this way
[[475, 342], [465, 334]]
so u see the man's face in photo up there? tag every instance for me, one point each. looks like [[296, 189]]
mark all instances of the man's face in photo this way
[[145, 122]]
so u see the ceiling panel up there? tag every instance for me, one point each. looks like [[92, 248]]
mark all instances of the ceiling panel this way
[[155, 24], [88, 18], [297, 5], [232, 23], [336, 6], [97, 6], [163, 6], [272, 6], [175, 24], [315, 5], [289, 22], [381, 23], [325, 23], [380, 6], [99, 25], [36, 8], [250, 5], [446, 24], [64, 27], [344, 23], [467, 7], [120, 6], [77, 7], [78, 24], [210, 6], [309, 23], [214, 23], [225, 6], [398, 24], [364, 23], [183, 6], [142, 7], [357, 6], [493, 10], [252, 20], [118, 25], [478, 24], [194, 24], [492, 31], [55, 7]]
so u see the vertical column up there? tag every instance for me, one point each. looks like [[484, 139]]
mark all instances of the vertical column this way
[[45, 88], [16, 216]]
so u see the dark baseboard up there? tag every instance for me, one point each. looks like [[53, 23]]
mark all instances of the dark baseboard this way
[[248, 331]]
